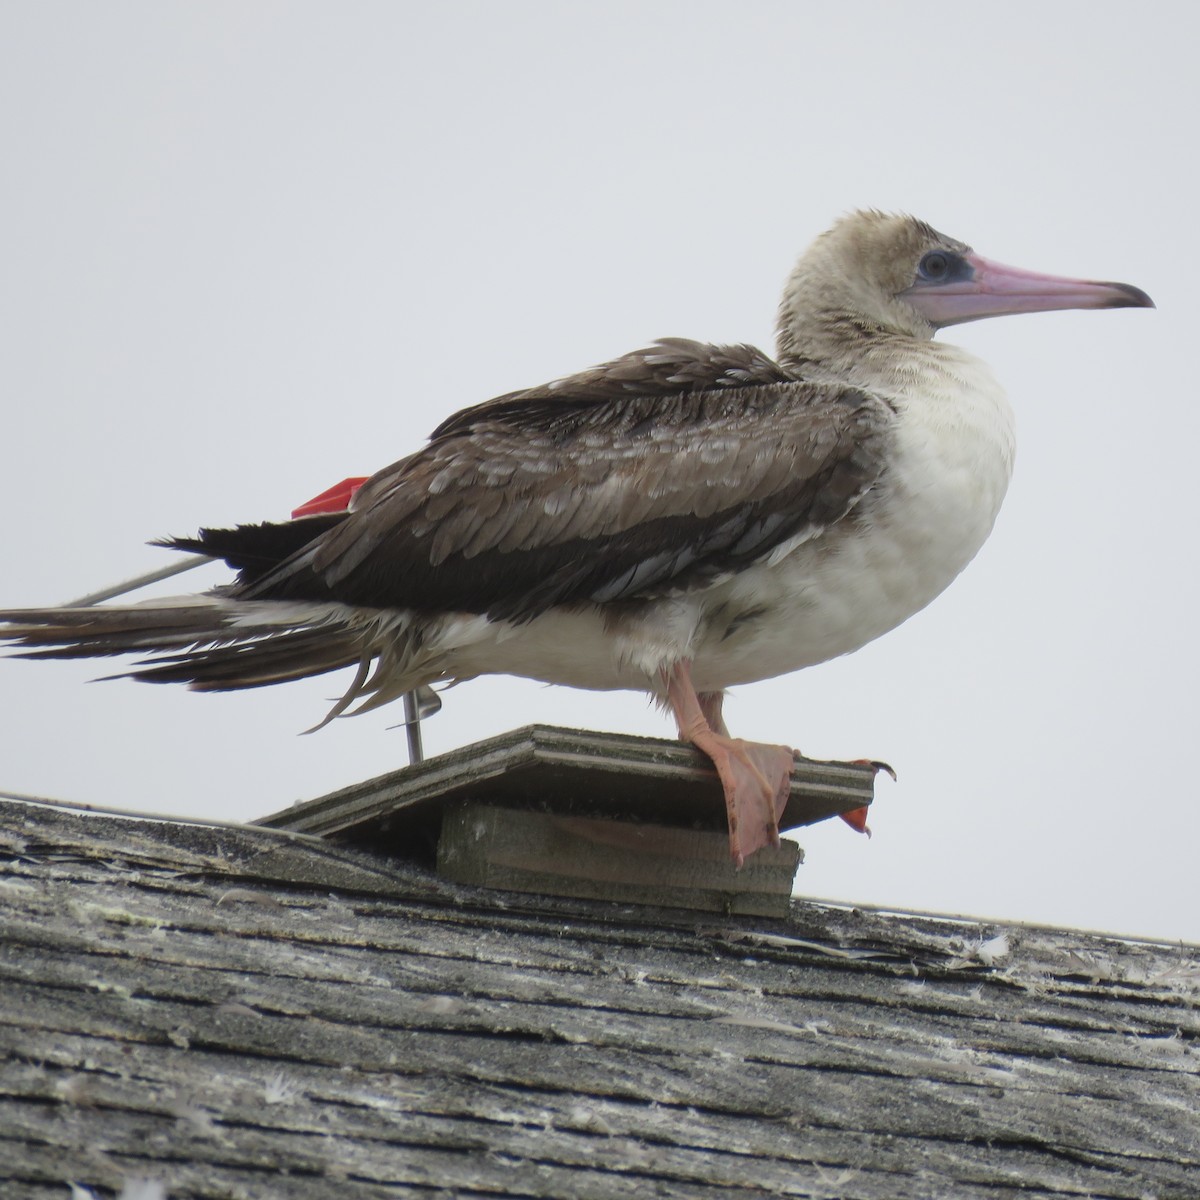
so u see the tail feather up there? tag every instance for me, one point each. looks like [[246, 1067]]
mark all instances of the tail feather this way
[[96, 639], [283, 659], [199, 627], [213, 643]]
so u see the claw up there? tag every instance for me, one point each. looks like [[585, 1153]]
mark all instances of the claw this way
[[856, 818], [876, 765]]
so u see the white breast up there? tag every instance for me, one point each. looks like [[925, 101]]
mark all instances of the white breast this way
[[934, 508], [910, 536]]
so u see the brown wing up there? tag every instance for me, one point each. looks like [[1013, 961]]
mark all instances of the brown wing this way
[[600, 490], [668, 367]]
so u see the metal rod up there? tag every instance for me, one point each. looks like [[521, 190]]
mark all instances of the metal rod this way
[[412, 729], [141, 581]]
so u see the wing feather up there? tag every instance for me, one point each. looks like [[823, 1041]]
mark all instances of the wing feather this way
[[657, 471]]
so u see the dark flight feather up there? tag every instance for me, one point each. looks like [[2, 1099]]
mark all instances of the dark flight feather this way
[[253, 550], [593, 489]]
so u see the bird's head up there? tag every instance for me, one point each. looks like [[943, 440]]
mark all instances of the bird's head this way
[[895, 274]]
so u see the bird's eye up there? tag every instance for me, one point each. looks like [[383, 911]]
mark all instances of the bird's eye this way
[[935, 265]]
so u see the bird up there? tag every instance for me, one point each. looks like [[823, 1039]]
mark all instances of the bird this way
[[678, 520]]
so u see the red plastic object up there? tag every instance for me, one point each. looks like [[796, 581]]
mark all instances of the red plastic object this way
[[334, 499]]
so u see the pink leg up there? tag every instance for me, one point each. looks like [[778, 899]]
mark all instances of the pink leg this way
[[756, 777], [711, 704]]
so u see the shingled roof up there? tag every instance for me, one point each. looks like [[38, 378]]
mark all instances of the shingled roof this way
[[250, 1013]]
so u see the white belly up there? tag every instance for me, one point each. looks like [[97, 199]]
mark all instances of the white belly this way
[[835, 594], [906, 542]]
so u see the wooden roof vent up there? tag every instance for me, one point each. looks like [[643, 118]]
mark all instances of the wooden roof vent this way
[[574, 813]]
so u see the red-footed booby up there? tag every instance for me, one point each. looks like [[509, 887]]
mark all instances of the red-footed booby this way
[[678, 520]]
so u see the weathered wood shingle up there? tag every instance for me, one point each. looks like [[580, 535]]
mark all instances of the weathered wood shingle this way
[[247, 1014]]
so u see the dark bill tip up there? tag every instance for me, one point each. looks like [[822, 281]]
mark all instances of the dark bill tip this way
[[1128, 296]]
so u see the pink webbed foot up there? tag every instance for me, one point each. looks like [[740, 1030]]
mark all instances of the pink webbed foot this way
[[856, 818], [757, 780], [755, 777]]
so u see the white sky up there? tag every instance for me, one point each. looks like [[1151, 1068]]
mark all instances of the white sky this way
[[250, 249]]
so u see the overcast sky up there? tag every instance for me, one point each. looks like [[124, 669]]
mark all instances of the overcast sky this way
[[252, 248]]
